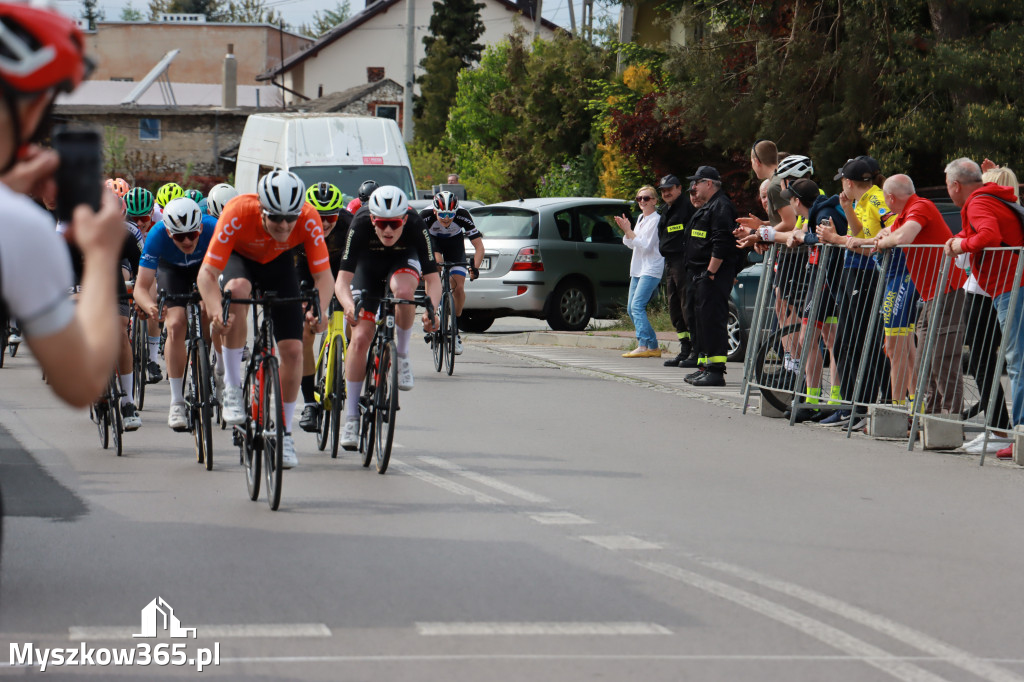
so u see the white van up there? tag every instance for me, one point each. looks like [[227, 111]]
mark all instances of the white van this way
[[344, 149]]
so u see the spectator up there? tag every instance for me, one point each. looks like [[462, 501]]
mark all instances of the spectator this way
[[453, 178], [672, 245], [919, 222], [990, 219], [645, 270], [711, 258], [75, 345]]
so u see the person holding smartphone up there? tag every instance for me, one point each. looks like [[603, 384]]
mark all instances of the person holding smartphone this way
[[43, 54]]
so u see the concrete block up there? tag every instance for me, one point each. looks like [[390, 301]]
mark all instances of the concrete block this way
[[941, 435], [768, 410], [1018, 445], [887, 422]]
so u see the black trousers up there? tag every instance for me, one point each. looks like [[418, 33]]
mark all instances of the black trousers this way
[[856, 317], [709, 312], [677, 288]]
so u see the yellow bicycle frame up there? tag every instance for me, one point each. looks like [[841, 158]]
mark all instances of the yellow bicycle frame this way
[[336, 327]]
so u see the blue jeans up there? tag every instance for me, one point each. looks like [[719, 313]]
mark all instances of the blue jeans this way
[[1014, 341], [641, 290]]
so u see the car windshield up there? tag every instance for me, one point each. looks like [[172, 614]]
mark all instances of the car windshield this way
[[348, 178], [506, 222]]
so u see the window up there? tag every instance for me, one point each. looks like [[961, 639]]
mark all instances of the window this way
[[563, 222], [149, 129], [387, 111]]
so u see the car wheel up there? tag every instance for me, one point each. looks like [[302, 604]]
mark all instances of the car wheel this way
[[737, 344], [570, 308], [475, 321]]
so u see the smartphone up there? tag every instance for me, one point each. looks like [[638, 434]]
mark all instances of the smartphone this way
[[80, 173]]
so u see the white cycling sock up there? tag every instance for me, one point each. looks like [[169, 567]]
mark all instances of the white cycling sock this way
[[289, 412], [177, 394], [402, 337], [154, 348], [352, 400], [233, 367], [127, 385], [218, 361]]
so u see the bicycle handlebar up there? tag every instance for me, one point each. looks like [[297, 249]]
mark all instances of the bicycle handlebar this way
[[269, 299]]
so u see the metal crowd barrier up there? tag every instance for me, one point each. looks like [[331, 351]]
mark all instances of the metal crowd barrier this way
[[899, 342]]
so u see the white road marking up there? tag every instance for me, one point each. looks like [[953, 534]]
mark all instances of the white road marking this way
[[619, 542], [488, 481], [78, 633], [444, 483], [811, 627], [559, 519], [569, 628], [901, 633]]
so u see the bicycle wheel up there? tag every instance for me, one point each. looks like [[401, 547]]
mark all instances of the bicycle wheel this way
[[367, 406], [202, 408], [386, 404], [140, 356], [272, 418], [322, 392], [337, 394], [437, 345], [116, 420], [449, 328], [252, 446], [776, 382], [98, 412]]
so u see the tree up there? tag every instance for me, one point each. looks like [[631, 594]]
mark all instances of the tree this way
[[251, 12], [91, 13], [129, 13], [438, 87], [322, 23], [458, 23]]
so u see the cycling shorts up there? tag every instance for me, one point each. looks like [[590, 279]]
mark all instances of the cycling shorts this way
[[828, 310], [373, 275], [176, 281], [277, 276], [899, 306], [452, 250], [791, 278]]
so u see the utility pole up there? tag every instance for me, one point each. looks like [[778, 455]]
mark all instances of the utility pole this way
[[572, 17], [410, 79], [536, 17]]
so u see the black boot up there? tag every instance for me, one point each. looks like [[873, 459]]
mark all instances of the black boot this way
[[713, 376], [674, 362], [690, 361], [690, 378]]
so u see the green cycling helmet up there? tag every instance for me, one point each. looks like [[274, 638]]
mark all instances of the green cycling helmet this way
[[194, 194], [166, 193], [326, 198], [139, 201]]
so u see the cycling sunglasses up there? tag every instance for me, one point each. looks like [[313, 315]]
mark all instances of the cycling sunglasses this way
[[185, 236], [387, 223], [445, 215], [753, 148], [281, 218]]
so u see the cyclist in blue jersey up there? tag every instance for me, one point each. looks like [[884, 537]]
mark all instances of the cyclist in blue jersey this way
[[172, 256]]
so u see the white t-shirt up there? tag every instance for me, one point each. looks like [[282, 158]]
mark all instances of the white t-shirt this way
[[647, 260], [35, 268]]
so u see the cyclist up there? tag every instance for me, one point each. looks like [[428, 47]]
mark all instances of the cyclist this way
[[118, 186], [388, 246], [75, 345], [219, 196], [250, 246], [172, 255], [194, 194], [365, 190], [141, 212], [449, 227], [327, 200]]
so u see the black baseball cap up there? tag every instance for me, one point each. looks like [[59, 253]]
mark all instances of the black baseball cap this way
[[858, 170], [803, 189], [669, 181], [705, 173]]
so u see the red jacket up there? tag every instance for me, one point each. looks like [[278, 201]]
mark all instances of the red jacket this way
[[989, 223]]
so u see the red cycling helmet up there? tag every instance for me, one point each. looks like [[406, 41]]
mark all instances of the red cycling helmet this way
[[40, 50]]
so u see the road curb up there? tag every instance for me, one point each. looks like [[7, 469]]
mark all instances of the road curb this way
[[606, 341]]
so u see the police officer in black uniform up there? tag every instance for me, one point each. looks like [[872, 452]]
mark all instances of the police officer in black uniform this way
[[711, 259], [672, 244]]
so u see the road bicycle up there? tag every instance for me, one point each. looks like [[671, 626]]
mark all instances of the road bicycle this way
[[140, 355], [200, 398], [106, 412], [378, 402], [329, 387], [442, 342], [260, 438]]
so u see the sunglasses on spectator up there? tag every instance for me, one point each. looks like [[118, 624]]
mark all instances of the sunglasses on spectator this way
[[280, 218], [644, 200], [387, 223], [445, 215], [185, 236], [753, 149]]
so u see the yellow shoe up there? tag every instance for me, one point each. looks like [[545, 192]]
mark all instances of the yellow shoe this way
[[636, 353], [653, 353]]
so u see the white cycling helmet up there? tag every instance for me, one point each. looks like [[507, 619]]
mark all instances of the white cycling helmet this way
[[388, 201], [219, 197], [182, 215], [795, 166], [281, 193]]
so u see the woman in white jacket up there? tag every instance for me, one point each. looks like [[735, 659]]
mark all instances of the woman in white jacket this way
[[645, 270]]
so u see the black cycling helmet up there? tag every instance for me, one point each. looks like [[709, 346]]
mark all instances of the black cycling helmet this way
[[366, 189]]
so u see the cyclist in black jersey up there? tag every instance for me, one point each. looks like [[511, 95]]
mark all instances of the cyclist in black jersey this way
[[388, 246], [449, 227]]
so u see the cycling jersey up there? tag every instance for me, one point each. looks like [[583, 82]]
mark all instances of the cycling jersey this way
[[335, 247], [363, 243], [240, 230], [463, 223], [160, 247], [354, 206]]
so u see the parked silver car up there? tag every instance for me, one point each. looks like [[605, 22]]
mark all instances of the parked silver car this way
[[556, 259]]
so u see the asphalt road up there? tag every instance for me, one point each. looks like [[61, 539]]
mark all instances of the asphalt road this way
[[543, 519]]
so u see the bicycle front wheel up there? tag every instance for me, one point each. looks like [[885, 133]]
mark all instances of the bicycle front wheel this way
[[386, 404], [272, 422], [114, 410], [775, 381], [140, 356], [321, 384], [203, 407], [367, 405], [252, 438], [449, 328], [337, 393]]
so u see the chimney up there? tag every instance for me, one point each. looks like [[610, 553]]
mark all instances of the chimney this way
[[230, 80], [374, 74]]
